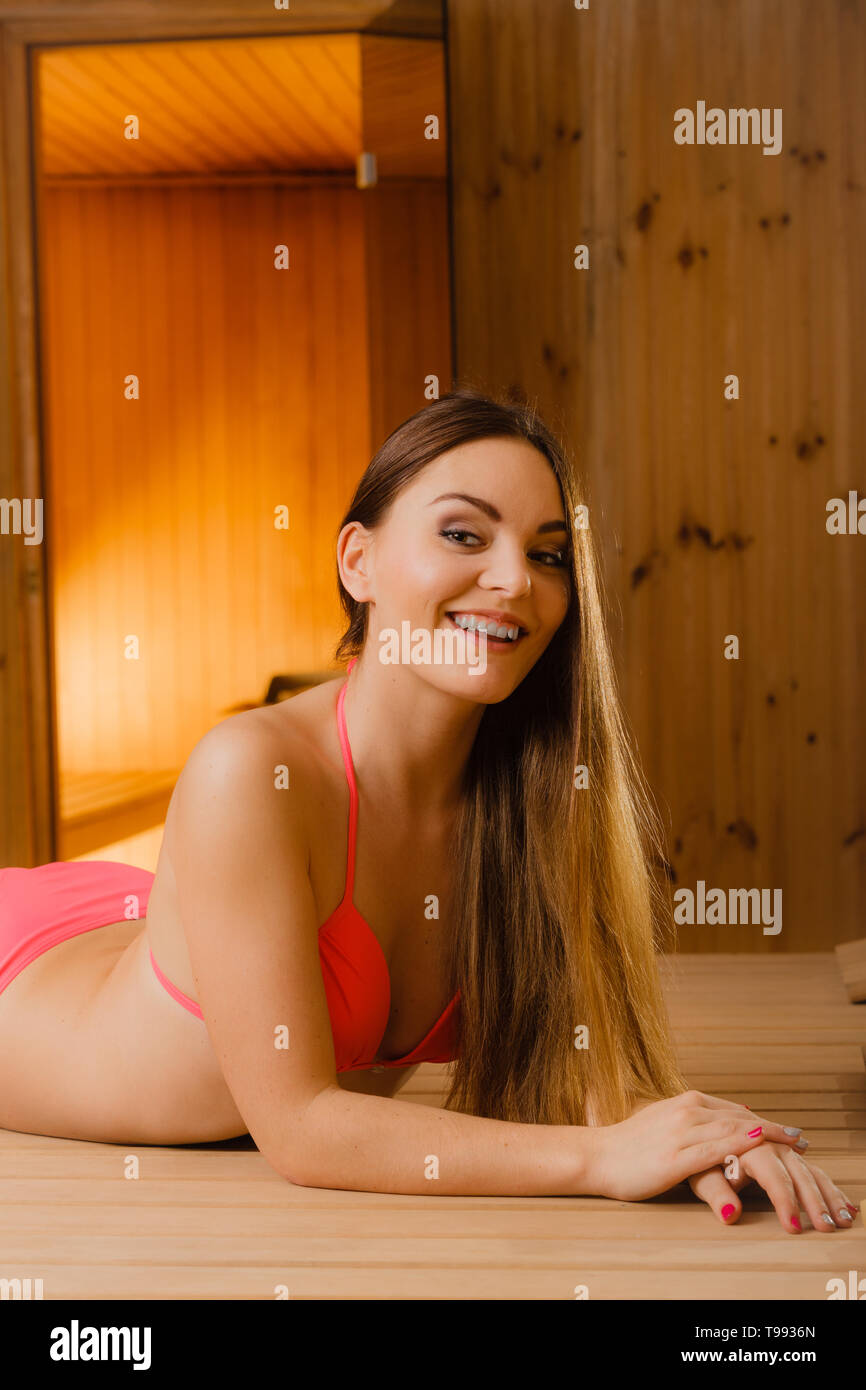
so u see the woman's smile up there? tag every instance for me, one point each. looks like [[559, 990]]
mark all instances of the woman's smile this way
[[498, 644]]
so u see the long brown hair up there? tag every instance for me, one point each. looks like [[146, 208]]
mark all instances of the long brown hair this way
[[562, 910]]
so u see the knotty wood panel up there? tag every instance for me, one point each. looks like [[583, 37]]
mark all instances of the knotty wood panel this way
[[705, 260]]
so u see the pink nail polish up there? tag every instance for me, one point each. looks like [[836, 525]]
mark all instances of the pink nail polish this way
[[728, 1211], [795, 1222], [753, 1133]]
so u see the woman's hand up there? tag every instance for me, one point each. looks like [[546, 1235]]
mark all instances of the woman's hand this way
[[789, 1181], [666, 1141]]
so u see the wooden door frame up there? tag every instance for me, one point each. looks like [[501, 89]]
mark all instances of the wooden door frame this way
[[28, 734]]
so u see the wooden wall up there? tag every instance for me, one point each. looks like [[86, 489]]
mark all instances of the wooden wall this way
[[253, 387], [409, 300], [704, 260], [254, 393]]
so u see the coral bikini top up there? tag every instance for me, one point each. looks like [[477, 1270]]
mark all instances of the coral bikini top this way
[[354, 969]]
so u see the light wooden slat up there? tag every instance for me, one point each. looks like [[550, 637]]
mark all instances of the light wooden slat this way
[[323, 1213], [781, 1058], [167, 1282], [562, 1247], [216, 1221], [746, 1034]]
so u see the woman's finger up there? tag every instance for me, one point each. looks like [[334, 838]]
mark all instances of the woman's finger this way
[[714, 1188], [765, 1165], [820, 1197], [839, 1200], [717, 1135], [789, 1131]]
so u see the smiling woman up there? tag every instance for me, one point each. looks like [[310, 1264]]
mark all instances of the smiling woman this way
[[484, 910], [461, 517]]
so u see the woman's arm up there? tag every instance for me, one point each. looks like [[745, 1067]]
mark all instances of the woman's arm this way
[[240, 855], [371, 1144]]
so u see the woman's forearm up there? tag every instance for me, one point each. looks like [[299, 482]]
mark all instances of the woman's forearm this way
[[372, 1144]]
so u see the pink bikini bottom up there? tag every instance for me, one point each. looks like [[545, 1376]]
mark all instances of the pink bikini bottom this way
[[41, 907]]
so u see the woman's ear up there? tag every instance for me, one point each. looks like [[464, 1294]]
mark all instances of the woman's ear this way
[[353, 561]]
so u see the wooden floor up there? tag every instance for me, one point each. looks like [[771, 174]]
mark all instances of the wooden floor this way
[[214, 1221]]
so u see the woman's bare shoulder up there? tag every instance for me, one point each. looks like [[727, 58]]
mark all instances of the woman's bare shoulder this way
[[290, 734]]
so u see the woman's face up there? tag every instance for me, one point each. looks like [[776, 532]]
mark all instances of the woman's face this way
[[435, 556]]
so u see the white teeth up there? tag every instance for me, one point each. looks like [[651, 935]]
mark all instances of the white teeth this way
[[474, 624]]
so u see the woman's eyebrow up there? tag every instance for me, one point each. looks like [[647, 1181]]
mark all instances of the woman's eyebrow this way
[[491, 511]]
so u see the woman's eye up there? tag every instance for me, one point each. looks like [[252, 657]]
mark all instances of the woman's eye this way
[[452, 531], [557, 557]]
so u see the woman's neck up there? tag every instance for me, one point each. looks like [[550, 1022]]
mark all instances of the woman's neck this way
[[409, 740]]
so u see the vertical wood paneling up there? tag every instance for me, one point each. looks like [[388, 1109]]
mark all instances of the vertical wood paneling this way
[[253, 394], [257, 389], [705, 260], [409, 293]]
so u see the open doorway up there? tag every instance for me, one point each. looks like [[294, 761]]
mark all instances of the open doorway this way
[[244, 285]]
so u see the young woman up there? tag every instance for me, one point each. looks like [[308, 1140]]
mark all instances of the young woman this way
[[396, 867]]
